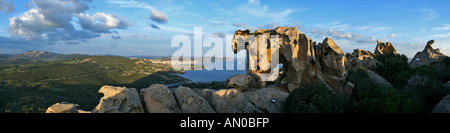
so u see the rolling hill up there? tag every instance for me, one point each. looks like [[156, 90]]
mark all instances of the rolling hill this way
[[32, 87]]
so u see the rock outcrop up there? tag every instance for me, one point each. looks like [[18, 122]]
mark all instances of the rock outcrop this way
[[119, 100], [443, 106], [361, 58], [191, 102], [378, 80], [268, 100], [383, 48], [303, 62], [332, 63], [427, 56], [231, 101], [65, 107], [241, 82], [159, 99]]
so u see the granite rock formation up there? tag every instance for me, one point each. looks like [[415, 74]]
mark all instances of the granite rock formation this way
[[303, 62], [384, 48], [427, 56], [119, 100], [159, 99]]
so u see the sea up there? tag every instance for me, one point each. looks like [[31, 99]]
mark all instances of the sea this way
[[208, 75]]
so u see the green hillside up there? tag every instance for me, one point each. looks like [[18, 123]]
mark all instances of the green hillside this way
[[32, 87]]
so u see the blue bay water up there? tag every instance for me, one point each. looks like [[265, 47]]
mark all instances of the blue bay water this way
[[214, 75]]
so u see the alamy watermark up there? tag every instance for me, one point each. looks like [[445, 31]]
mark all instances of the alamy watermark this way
[[266, 55]]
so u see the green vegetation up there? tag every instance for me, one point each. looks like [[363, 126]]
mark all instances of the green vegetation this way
[[314, 98], [34, 86], [360, 79], [393, 65], [415, 90], [385, 100]]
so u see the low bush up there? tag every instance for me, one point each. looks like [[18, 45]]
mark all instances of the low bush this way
[[393, 65], [314, 98], [429, 89], [386, 100]]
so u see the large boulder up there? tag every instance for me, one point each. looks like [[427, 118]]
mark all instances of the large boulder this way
[[384, 48], [232, 101], [443, 106], [119, 100], [241, 82], [65, 107], [332, 64], [301, 58], [268, 99], [191, 102], [378, 80], [159, 99], [361, 58], [427, 56]]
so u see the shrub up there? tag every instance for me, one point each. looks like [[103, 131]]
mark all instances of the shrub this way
[[442, 69], [393, 65], [360, 79], [431, 90], [387, 100], [424, 70], [314, 98]]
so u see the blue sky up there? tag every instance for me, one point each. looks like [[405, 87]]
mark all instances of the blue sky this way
[[135, 27]]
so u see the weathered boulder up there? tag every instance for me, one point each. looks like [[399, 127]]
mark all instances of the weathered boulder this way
[[378, 80], [332, 64], [443, 106], [207, 94], [241, 82], [302, 60], [268, 99], [159, 99], [232, 101], [348, 88], [191, 102], [119, 100], [383, 48], [65, 107], [427, 56], [361, 58]]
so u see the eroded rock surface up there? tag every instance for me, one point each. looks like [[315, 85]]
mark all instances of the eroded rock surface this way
[[65, 107], [159, 99], [427, 56], [119, 100], [232, 101], [384, 48], [303, 61], [191, 102]]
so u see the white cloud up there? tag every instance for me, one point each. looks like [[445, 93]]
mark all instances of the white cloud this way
[[130, 4], [342, 34], [216, 23], [428, 14], [367, 40], [158, 16], [443, 35], [444, 27], [50, 22], [254, 10], [7, 7], [241, 25], [372, 28], [104, 25], [391, 35]]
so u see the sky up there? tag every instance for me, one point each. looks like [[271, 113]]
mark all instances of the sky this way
[[145, 28]]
